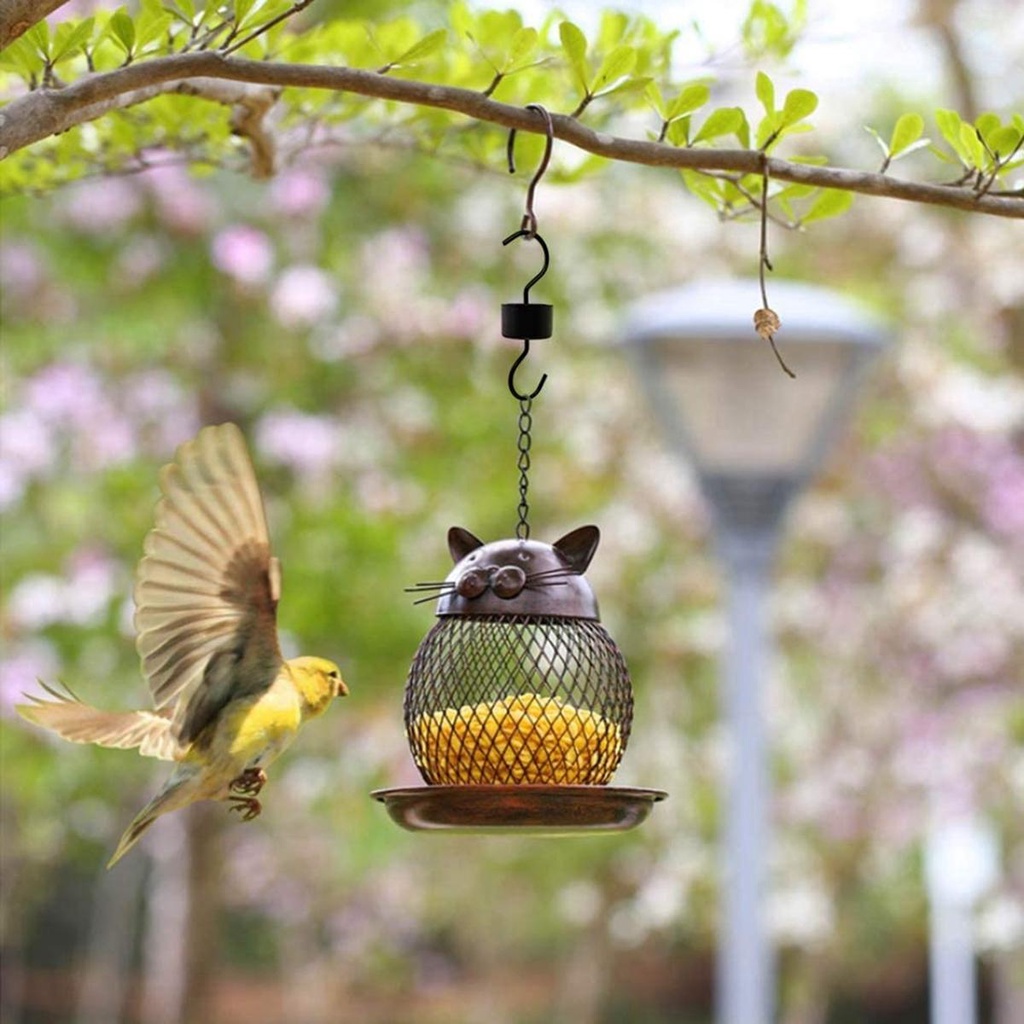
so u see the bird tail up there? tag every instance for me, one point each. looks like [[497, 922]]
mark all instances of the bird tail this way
[[178, 792], [67, 716]]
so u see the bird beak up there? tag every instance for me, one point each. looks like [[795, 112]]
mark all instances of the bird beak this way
[[342, 689]]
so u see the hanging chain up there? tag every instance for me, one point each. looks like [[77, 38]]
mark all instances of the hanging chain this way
[[525, 440]]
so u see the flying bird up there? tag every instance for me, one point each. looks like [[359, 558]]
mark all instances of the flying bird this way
[[226, 703]]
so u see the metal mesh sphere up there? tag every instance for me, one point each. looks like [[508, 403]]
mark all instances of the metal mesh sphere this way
[[518, 699]]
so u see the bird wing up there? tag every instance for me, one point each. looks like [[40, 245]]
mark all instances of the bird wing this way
[[71, 718], [207, 587]]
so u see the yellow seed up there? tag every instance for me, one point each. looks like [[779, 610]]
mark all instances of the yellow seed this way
[[524, 738]]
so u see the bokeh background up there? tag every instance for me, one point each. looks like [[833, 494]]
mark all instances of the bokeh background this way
[[345, 314]]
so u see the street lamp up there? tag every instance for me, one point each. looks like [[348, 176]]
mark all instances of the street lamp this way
[[755, 438], [961, 861]]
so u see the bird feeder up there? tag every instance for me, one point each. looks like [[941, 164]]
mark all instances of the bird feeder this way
[[518, 703]]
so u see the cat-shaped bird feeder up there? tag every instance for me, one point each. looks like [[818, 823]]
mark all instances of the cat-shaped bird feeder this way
[[518, 704]]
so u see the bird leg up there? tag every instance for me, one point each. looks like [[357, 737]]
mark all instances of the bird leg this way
[[248, 806], [250, 782]]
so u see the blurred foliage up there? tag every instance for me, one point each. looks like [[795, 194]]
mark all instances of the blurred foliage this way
[[625, 73]]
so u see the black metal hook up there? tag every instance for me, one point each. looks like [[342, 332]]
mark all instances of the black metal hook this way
[[527, 321], [526, 233], [529, 225], [512, 374]]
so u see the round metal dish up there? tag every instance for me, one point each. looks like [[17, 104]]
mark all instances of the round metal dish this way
[[538, 809]]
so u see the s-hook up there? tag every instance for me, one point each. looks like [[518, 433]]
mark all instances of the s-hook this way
[[529, 225], [523, 320]]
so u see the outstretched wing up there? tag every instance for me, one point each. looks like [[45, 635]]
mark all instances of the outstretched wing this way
[[207, 588], [67, 716]]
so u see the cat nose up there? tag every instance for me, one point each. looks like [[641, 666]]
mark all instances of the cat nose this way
[[508, 581], [472, 583]]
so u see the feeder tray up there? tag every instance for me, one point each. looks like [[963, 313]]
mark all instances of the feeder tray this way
[[537, 809], [518, 704]]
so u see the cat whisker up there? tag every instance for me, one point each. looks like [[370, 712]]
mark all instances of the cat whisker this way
[[558, 570], [551, 575], [431, 597]]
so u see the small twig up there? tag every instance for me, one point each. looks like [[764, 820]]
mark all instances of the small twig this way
[[766, 320], [299, 5]]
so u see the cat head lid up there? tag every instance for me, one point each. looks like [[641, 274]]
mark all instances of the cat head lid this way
[[520, 577]]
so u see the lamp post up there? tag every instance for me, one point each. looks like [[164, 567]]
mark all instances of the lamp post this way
[[755, 438], [961, 863]]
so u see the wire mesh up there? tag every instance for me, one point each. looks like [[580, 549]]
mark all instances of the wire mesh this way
[[517, 699]]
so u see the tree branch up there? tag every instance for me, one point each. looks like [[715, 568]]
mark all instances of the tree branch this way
[[18, 16], [46, 112]]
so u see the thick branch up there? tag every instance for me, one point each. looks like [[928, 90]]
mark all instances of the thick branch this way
[[18, 16], [48, 111]]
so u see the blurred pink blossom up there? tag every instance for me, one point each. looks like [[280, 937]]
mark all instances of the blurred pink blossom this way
[[109, 441], [308, 444], [27, 450], [244, 253], [67, 394], [80, 597], [303, 296], [140, 260], [26, 441], [1003, 503], [157, 401], [22, 668], [299, 193], [101, 205], [183, 206], [21, 268]]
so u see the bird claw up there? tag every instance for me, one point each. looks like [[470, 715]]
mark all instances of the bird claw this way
[[247, 806], [250, 782]]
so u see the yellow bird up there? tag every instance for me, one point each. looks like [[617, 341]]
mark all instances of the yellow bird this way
[[226, 703]]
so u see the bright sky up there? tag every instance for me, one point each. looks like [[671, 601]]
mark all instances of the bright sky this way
[[850, 43]]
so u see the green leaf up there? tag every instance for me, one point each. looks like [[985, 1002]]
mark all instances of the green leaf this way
[[574, 44], [765, 92], [429, 44], [652, 93], [123, 29], [831, 203], [949, 124], [882, 144], [618, 64], [691, 97], [524, 42], [23, 59], [972, 144], [678, 133], [907, 131], [800, 103], [39, 36], [1004, 140], [70, 38], [705, 188], [723, 121]]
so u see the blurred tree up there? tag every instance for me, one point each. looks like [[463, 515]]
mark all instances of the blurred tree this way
[[154, 81], [344, 313]]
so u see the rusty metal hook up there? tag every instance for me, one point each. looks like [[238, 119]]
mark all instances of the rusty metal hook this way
[[529, 224]]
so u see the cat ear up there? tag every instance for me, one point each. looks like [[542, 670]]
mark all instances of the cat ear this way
[[461, 542], [578, 547]]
